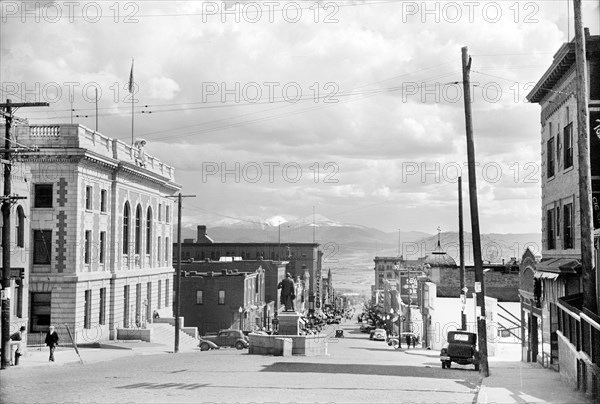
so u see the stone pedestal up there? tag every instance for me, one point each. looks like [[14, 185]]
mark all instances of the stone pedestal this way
[[289, 323]]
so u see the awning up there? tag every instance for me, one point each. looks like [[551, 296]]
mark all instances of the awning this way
[[545, 275]]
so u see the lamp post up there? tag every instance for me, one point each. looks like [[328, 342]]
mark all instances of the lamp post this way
[[241, 310]]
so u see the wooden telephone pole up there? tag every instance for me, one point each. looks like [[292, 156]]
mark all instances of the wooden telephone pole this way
[[178, 270], [7, 202], [585, 179], [479, 284], [461, 246]]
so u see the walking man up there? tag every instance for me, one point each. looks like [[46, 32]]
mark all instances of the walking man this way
[[51, 341]]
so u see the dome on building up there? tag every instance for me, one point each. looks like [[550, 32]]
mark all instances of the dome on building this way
[[439, 258]]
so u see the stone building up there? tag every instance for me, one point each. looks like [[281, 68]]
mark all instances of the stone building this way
[[101, 232], [559, 332]]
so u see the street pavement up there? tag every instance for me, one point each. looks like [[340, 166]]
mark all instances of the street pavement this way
[[356, 370]]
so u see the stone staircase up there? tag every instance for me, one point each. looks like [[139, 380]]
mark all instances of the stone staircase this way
[[163, 333]]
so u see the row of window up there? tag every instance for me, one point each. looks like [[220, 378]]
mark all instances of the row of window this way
[[137, 244], [557, 221], [554, 152], [43, 198], [220, 297], [42, 248]]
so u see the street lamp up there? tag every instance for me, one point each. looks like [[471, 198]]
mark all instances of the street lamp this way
[[241, 310]]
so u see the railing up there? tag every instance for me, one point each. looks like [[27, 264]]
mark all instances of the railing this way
[[580, 326]]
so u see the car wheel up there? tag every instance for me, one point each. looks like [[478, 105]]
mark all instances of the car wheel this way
[[204, 346], [477, 367], [448, 364], [443, 365], [239, 345]]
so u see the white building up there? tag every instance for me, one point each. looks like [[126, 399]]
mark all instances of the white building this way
[[101, 232]]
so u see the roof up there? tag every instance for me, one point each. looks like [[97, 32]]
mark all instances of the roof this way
[[564, 59], [440, 259], [568, 266]]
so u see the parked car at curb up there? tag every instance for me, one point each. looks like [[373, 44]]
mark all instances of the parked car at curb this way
[[206, 345], [225, 338], [378, 334], [461, 348]]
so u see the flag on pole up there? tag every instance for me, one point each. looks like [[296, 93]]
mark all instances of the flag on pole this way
[[131, 78]]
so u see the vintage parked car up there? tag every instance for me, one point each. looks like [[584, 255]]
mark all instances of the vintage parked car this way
[[228, 338], [378, 334], [461, 348]]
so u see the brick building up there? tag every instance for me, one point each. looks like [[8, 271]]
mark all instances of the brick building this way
[[303, 259], [101, 232], [228, 299], [558, 332]]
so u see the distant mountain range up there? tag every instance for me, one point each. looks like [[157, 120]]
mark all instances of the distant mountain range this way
[[345, 240]]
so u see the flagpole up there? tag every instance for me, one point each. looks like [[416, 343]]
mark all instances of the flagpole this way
[[132, 98]]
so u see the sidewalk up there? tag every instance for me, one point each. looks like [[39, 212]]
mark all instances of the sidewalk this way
[[519, 382], [106, 352]]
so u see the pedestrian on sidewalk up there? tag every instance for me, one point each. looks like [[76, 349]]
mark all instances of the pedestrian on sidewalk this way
[[17, 340], [414, 341], [408, 339], [51, 341]]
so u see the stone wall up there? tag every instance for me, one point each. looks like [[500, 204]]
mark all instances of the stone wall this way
[[499, 285]]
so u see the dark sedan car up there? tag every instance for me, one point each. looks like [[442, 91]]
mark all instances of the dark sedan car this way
[[228, 338], [461, 348]]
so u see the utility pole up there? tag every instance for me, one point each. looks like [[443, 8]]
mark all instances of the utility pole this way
[[461, 246], [479, 284], [585, 179], [7, 201], [178, 270]]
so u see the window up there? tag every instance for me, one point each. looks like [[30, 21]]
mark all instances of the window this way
[[102, 247], [126, 218], [166, 293], [87, 246], [568, 226], [159, 212], [568, 145], [167, 250], [87, 309], [88, 198], [126, 306], [148, 230], [103, 200], [550, 158], [158, 253], [557, 216], [199, 296], [167, 214], [550, 229], [159, 293], [20, 227], [42, 246], [102, 307], [138, 230], [221, 296], [43, 196]]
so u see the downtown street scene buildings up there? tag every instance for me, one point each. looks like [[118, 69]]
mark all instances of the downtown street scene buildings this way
[[354, 111]]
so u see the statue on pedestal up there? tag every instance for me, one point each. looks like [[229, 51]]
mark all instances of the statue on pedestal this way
[[288, 292]]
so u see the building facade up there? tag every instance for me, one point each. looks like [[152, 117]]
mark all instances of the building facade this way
[[101, 232], [20, 224], [559, 332], [303, 259], [214, 301]]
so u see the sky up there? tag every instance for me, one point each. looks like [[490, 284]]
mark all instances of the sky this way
[[272, 109]]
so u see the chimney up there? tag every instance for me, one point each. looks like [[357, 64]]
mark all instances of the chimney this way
[[201, 233]]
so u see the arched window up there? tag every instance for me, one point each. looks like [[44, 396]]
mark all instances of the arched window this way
[[20, 227], [138, 229], [126, 219], [148, 230]]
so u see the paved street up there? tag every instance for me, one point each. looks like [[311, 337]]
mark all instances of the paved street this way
[[356, 370]]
